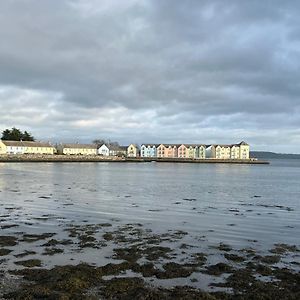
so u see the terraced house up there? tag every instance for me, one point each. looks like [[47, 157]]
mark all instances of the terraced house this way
[[173, 151], [167, 151], [25, 147], [233, 151], [192, 151]]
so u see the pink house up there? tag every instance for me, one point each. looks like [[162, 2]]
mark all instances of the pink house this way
[[171, 151]]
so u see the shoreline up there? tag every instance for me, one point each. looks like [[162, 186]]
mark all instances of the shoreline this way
[[65, 158]]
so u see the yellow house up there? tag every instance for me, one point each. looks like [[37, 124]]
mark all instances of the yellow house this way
[[11, 147], [25, 147], [2, 148], [132, 150], [191, 151], [77, 149], [38, 148]]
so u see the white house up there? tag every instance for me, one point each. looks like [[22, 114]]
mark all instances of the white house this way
[[103, 150]]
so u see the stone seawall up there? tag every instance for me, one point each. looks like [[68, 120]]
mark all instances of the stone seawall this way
[[97, 158]]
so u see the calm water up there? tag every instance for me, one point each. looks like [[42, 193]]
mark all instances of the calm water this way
[[240, 205]]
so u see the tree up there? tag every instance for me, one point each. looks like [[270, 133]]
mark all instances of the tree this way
[[27, 136], [99, 142], [16, 134], [6, 135], [116, 144]]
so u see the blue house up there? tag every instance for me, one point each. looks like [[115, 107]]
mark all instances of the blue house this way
[[149, 150]]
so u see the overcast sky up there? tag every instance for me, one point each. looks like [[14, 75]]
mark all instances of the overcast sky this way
[[152, 71]]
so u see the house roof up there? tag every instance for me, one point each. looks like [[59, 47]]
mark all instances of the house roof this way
[[134, 145], [26, 144], [123, 148], [80, 146], [36, 144], [103, 145], [172, 145], [151, 145], [13, 143], [177, 145], [193, 145]]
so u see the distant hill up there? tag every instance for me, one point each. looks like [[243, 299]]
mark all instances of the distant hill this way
[[265, 155]]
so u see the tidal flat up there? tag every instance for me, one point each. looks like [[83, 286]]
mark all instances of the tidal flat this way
[[149, 231]]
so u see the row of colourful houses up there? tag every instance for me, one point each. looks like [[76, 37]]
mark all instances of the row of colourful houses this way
[[196, 151], [174, 151], [191, 151]]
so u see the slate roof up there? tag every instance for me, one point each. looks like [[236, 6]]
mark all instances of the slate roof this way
[[26, 144]]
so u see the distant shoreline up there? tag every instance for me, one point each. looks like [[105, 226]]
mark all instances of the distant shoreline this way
[[73, 158]]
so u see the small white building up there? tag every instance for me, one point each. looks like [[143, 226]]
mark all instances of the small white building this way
[[103, 150]]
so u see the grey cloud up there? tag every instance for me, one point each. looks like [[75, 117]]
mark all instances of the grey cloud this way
[[214, 70]]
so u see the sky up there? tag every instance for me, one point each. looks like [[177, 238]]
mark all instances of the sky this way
[[159, 71]]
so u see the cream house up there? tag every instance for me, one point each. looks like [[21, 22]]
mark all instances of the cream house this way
[[132, 150], [12, 147], [234, 151], [221, 151], [244, 150], [161, 151], [25, 147], [77, 149]]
